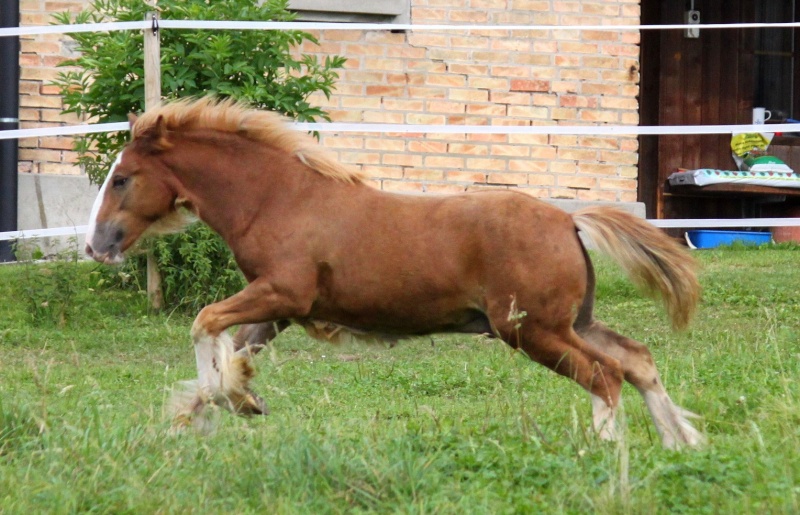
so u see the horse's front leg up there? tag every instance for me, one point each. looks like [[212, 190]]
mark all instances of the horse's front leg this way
[[224, 367]]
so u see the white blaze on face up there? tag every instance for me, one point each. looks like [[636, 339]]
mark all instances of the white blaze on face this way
[[98, 202]]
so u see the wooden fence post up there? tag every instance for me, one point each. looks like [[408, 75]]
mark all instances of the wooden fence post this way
[[152, 98]]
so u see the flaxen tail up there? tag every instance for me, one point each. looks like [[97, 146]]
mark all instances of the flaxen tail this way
[[652, 260]]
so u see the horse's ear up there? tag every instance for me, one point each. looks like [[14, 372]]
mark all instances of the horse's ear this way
[[160, 134], [156, 136], [132, 119]]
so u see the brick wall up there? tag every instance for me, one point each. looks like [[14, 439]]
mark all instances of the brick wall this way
[[40, 104], [553, 77]]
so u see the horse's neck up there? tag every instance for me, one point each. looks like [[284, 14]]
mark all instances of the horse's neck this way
[[229, 186], [232, 183]]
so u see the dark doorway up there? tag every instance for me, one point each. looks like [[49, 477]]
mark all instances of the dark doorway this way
[[716, 78]]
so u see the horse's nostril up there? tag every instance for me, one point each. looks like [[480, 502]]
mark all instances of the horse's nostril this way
[[119, 235], [89, 251]]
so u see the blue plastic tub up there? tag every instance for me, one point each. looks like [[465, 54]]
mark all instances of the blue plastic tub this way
[[710, 239]]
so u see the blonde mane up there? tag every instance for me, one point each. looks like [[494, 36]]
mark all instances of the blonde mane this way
[[260, 126]]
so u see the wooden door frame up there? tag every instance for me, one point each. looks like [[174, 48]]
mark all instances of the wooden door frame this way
[[649, 86]]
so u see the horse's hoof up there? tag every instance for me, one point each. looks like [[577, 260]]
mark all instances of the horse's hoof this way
[[180, 423], [251, 404]]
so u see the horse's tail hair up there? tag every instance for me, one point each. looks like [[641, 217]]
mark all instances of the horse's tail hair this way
[[652, 260]]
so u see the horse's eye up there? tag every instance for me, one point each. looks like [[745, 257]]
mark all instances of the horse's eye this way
[[119, 182]]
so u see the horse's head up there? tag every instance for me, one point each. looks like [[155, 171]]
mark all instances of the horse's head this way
[[136, 196]]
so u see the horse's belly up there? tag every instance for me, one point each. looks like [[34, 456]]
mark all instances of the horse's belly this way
[[473, 322], [403, 316]]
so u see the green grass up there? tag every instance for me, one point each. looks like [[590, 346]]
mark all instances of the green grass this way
[[442, 425]]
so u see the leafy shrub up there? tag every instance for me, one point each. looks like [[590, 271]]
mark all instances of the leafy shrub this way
[[259, 67], [196, 268], [47, 290]]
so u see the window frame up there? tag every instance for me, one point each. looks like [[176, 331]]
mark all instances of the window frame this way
[[352, 11]]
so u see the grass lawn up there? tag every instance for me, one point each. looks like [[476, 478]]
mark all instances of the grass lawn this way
[[452, 424]]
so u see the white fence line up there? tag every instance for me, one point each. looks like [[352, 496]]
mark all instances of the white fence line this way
[[64, 130], [686, 223], [33, 30], [30, 234], [383, 128]]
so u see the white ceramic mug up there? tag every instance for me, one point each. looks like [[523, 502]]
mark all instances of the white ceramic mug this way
[[761, 115]]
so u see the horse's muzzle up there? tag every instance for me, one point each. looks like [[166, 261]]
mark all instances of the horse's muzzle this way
[[104, 246], [108, 258]]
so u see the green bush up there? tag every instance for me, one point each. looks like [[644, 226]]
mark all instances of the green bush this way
[[48, 291], [262, 68]]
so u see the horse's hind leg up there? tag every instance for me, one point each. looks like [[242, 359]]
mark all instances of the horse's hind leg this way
[[640, 370], [566, 353], [255, 337]]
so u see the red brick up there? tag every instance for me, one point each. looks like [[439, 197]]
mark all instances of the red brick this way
[[469, 42], [444, 162], [487, 109], [468, 16], [530, 85], [385, 38], [450, 81], [389, 91], [422, 174], [507, 178], [576, 182], [56, 143], [442, 106], [510, 150], [501, 97], [444, 188], [359, 157], [468, 148], [401, 186], [418, 92], [402, 160], [388, 145], [459, 176], [427, 147], [500, 83], [387, 172]]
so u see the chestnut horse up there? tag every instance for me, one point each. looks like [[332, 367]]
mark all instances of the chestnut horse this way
[[321, 248]]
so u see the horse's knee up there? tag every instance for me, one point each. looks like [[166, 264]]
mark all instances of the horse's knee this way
[[205, 325]]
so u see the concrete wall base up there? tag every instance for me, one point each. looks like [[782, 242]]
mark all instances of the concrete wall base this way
[[48, 201]]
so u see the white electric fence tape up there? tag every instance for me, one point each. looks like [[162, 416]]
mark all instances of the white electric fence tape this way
[[589, 130], [300, 25], [43, 233], [64, 130], [693, 223]]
